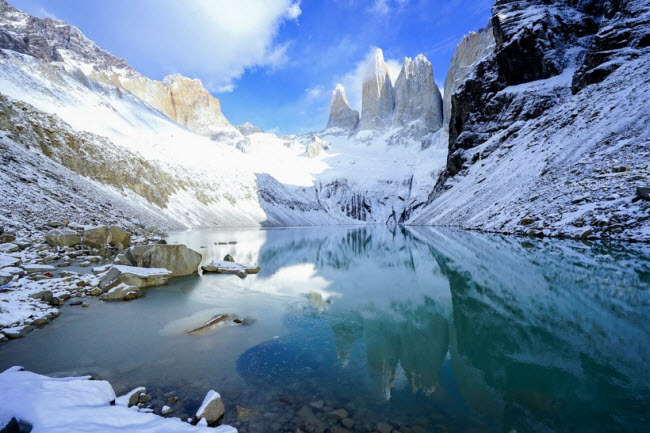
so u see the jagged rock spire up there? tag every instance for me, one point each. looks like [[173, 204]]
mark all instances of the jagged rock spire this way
[[341, 115], [417, 96], [377, 100]]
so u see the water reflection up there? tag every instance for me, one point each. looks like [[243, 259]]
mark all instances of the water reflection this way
[[432, 330], [540, 334]]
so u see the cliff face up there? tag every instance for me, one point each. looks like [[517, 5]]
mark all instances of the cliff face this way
[[536, 40], [341, 115], [181, 99], [377, 100], [417, 96], [548, 134], [472, 48]]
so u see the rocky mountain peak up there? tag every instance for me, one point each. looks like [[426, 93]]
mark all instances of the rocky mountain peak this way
[[417, 96], [341, 115], [182, 99], [377, 100]]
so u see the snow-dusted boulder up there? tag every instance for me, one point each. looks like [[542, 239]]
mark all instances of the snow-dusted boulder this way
[[131, 398], [341, 115], [177, 258], [134, 276], [417, 96], [98, 237], [377, 99], [212, 408], [63, 238], [5, 277], [226, 267], [7, 260], [122, 292]]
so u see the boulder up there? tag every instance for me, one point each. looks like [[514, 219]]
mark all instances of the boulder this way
[[5, 277], [643, 192], [35, 267], [212, 408], [131, 398], [7, 260], [97, 237], [119, 236], [122, 292], [6, 238], [134, 277], [228, 258], [177, 258], [227, 267], [62, 238]]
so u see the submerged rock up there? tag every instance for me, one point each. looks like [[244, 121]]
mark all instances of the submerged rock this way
[[210, 325], [177, 258]]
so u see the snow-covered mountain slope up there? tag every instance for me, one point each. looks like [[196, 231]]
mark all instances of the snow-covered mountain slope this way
[[186, 161], [531, 151]]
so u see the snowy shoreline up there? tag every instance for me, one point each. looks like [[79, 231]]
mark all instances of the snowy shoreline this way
[[79, 403]]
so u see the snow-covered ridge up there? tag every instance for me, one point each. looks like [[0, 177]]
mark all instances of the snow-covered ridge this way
[[181, 99]]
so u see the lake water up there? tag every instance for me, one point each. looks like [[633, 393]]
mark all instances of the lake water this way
[[427, 330]]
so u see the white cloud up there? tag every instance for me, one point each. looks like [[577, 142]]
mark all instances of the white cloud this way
[[313, 92], [294, 11], [216, 40], [353, 79], [383, 7]]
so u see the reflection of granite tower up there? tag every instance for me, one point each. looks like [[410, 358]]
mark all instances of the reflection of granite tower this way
[[413, 337]]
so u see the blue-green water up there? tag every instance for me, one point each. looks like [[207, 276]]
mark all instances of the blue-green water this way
[[427, 330]]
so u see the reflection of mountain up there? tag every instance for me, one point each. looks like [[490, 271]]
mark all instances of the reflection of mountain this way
[[558, 330], [543, 335]]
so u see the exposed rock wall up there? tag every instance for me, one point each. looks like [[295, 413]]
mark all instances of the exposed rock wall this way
[[341, 115], [378, 99], [417, 96], [534, 40], [472, 48]]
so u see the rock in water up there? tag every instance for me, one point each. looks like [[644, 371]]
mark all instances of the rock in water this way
[[131, 398], [377, 100], [417, 96], [122, 292], [341, 115], [63, 238], [177, 258], [134, 276], [212, 408], [228, 267]]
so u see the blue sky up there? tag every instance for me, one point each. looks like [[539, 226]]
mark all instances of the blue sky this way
[[271, 62]]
